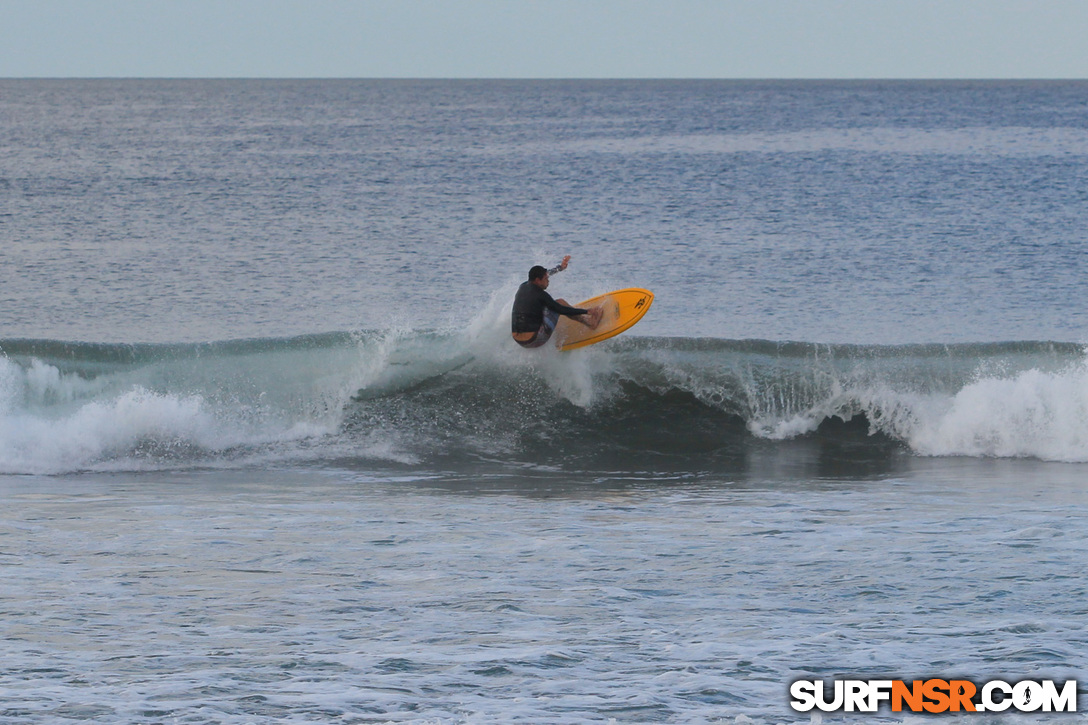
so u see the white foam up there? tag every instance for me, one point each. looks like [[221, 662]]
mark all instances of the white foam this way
[[53, 422], [1032, 414], [572, 376], [101, 430], [1021, 414]]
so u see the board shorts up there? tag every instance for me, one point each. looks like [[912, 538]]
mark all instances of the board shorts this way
[[545, 331]]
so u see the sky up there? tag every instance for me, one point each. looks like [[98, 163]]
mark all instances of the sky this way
[[544, 38]]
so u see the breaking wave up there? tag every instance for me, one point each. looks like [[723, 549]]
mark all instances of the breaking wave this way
[[469, 398]]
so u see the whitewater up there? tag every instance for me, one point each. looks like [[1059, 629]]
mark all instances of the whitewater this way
[[268, 452], [431, 396]]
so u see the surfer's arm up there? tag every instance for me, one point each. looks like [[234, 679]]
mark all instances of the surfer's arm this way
[[559, 267], [562, 309]]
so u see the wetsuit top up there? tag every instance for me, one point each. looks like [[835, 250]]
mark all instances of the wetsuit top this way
[[529, 305]]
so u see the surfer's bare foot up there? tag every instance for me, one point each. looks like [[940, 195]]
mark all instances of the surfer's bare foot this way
[[592, 318]]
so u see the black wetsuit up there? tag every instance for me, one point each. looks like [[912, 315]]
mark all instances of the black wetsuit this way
[[528, 313]]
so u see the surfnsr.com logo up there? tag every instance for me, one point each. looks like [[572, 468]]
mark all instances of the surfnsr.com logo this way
[[934, 696]]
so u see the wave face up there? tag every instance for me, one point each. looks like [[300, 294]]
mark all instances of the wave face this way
[[470, 400]]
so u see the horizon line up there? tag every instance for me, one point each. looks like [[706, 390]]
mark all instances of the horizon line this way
[[973, 79]]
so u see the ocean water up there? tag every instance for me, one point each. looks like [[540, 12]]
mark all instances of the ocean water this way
[[268, 454]]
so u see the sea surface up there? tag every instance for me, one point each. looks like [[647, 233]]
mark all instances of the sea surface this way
[[268, 453]]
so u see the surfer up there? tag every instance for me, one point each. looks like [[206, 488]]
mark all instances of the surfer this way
[[535, 312]]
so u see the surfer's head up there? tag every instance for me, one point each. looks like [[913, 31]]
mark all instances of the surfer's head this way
[[537, 274]]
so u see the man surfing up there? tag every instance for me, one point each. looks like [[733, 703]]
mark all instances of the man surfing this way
[[535, 312]]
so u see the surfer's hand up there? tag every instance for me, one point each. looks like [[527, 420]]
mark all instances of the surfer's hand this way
[[563, 264]]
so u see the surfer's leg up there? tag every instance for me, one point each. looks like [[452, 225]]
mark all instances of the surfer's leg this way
[[544, 333], [542, 336], [537, 341], [551, 319]]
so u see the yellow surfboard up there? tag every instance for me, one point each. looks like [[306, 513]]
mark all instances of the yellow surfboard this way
[[622, 309]]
